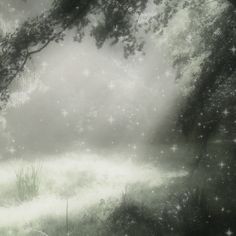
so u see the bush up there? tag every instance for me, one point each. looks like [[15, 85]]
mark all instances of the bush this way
[[187, 213], [133, 219], [27, 182]]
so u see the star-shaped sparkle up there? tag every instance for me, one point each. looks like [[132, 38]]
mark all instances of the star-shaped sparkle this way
[[233, 50], [174, 148], [229, 232]]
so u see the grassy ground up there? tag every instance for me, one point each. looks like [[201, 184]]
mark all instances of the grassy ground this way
[[199, 204]]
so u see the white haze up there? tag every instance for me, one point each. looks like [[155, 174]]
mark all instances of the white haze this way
[[78, 95], [73, 101], [84, 179]]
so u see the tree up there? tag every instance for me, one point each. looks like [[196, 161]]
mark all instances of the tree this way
[[211, 103], [118, 21], [113, 21]]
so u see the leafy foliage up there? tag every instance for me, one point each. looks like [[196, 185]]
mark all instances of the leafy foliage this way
[[211, 53], [35, 34]]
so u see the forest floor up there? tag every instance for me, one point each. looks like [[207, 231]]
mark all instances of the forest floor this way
[[85, 180], [88, 194]]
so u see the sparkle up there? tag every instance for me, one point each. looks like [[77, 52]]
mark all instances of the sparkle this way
[[233, 50], [189, 38], [229, 232], [174, 148], [178, 207], [221, 164], [64, 113], [226, 112]]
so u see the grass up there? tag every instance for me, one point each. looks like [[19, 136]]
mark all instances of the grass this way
[[185, 206], [28, 182], [176, 210]]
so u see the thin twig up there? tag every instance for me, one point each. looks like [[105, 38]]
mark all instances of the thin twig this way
[[40, 232]]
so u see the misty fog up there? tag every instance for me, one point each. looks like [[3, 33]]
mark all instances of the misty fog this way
[[91, 125]]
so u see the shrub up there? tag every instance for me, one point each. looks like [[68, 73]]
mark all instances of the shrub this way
[[27, 182], [133, 219], [188, 213]]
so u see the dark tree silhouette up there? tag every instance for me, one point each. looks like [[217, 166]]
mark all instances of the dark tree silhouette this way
[[212, 103], [114, 21]]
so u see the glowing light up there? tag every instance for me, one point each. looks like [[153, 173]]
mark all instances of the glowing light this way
[[84, 176]]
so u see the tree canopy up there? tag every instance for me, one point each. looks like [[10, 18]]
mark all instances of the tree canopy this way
[[210, 102]]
